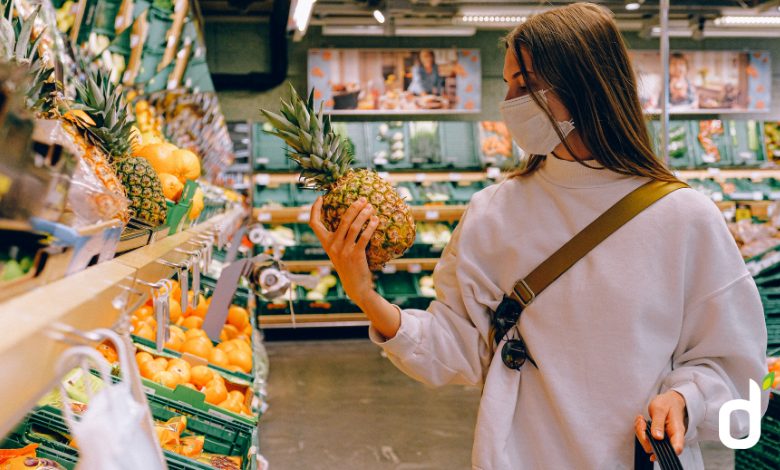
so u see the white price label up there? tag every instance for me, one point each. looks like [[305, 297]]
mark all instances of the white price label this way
[[264, 217], [149, 390], [120, 21], [420, 177], [431, 215], [304, 216], [756, 176], [384, 175], [494, 172], [456, 177], [323, 270], [134, 40], [263, 179], [758, 196], [774, 195], [713, 171], [171, 40], [414, 268], [717, 197], [171, 84], [389, 269], [262, 161]]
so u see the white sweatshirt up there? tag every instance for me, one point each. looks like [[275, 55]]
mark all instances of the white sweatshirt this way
[[664, 303]]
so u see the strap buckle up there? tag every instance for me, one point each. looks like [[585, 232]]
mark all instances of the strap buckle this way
[[522, 291]]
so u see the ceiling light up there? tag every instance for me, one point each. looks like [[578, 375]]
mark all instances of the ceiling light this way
[[436, 31], [632, 5], [759, 21], [503, 19], [379, 16], [302, 14]]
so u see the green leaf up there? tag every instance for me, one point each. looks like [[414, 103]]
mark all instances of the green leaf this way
[[769, 379]]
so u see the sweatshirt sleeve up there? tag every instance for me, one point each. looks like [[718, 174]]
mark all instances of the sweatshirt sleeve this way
[[441, 345], [721, 348]]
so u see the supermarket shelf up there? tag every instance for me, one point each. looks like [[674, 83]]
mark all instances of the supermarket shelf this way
[[290, 215], [717, 174], [275, 179], [312, 320], [85, 301], [403, 264]]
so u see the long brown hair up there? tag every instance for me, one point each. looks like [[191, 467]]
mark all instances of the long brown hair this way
[[579, 52]]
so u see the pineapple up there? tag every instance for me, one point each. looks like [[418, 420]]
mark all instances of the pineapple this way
[[325, 165], [102, 120], [143, 189]]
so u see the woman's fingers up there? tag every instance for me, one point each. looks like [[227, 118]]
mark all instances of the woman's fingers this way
[[658, 414], [346, 221], [357, 225], [315, 222], [640, 425], [676, 429], [365, 237]]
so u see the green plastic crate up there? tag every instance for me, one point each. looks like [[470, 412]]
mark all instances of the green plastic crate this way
[[281, 194], [720, 141], [459, 145], [105, 15], [269, 153], [177, 212], [746, 138], [160, 21], [334, 302]]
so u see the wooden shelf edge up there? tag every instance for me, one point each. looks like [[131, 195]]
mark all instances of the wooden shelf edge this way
[[402, 264], [275, 179], [291, 215], [312, 320]]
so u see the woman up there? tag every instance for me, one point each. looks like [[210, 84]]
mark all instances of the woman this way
[[425, 75], [660, 321]]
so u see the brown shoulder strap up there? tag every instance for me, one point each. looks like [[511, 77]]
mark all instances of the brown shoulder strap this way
[[575, 249]]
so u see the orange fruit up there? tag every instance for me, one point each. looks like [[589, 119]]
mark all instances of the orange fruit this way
[[200, 347], [145, 331], [195, 333], [175, 310], [176, 292], [230, 331], [201, 375], [197, 205], [192, 322], [135, 322], [176, 331], [160, 156], [215, 392], [144, 312], [162, 362], [181, 369], [248, 330], [142, 357], [236, 395], [202, 308], [240, 359], [174, 343], [231, 405], [150, 368], [108, 352], [171, 186], [188, 165], [243, 344], [238, 317], [188, 385], [219, 358], [227, 346], [166, 378]]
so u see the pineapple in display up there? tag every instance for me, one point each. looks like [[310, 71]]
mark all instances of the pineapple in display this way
[[325, 165], [143, 189], [103, 121]]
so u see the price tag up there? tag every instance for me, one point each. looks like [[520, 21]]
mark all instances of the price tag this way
[[756, 175], [303, 216], [120, 21], [420, 177], [431, 215], [262, 161], [263, 179], [171, 40], [494, 172], [264, 217], [149, 390], [713, 171], [324, 270], [455, 176], [384, 175], [171, 84], [414, 268], [134, 39], [717, 197], [758, 196], [774, 195], [390, 269]]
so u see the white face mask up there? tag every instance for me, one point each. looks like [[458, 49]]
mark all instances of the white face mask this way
[[530, 127]]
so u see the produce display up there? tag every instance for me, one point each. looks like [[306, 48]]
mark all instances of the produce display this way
[[772, 139], [25, 458], [325, 165]]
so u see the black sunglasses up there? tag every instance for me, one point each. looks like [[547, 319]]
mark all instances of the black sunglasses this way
[[514, 353]]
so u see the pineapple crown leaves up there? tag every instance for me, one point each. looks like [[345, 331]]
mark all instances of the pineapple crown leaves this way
[[16, 43], [323, 155], [104, 103]]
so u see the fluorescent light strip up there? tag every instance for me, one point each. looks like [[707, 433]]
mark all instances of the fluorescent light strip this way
[[302, 14], [492, 19], [747, 21], [379, 16]]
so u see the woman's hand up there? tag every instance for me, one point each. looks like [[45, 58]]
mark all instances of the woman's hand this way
[[346, 247], [667, 413]]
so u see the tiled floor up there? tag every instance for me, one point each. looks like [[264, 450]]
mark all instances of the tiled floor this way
[[340, 405]]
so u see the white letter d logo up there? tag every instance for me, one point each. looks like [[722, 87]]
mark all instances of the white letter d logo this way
[[753, 408]]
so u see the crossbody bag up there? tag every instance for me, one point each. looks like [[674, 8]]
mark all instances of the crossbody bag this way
[[514, 354]]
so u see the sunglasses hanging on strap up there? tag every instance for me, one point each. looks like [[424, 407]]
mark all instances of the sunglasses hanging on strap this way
[[507, 315]]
